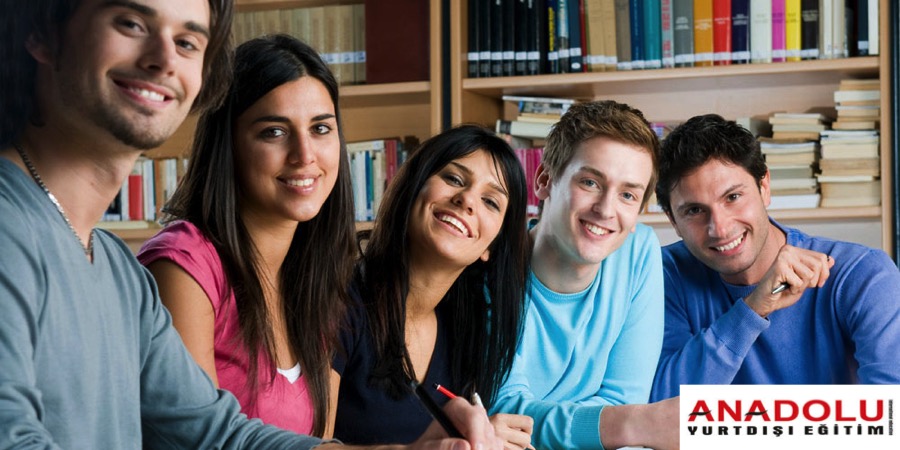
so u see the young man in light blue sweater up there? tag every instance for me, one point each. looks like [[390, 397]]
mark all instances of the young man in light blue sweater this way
[[594, 321], [750, 301]]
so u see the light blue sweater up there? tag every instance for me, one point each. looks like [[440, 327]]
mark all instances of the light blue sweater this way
[[580, 352], [846, 331]]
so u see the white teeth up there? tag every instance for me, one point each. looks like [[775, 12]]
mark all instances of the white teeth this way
[[150, 95], [301, 183], [595, 229], [730, 246], [455, 222]]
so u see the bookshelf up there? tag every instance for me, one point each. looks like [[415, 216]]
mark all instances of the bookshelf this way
[[675, 94], [369, 111]]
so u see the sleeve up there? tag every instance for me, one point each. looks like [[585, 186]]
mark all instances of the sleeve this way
[[868, 302], [630, 368], [707, 356], [192, 413], [21, 275], [184, 245]]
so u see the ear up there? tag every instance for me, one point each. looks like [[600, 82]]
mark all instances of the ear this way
[[39, 50], [542, 182], [764, 189], [485, 256]]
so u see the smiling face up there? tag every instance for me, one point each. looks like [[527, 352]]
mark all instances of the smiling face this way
[[594, 202], [287, 152], [131, 69], [459, 211], [720, 213]]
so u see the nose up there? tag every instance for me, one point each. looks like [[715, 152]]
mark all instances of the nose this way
[[718, 224], [604, 205], [464, 199], [159, 54], [302, 152]]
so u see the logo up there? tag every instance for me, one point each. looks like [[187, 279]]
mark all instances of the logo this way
[[788, 416]]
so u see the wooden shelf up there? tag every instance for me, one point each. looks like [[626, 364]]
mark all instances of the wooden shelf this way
[[593, 84], [260, 5]]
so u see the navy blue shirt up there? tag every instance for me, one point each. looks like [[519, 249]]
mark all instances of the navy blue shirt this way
[[367, 414]]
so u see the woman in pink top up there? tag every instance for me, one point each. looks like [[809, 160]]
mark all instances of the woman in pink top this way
[[255, 263]]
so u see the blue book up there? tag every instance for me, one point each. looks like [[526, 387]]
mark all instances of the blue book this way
[[637, 34], [740, 31], [576, 49], [652, 34]]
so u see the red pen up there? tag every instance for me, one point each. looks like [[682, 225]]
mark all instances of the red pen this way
[[444, 391]]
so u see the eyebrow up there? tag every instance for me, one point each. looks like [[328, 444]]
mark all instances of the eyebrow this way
[[469, 172], [283, 119], [602, 175], [728, 191], [149, 11]]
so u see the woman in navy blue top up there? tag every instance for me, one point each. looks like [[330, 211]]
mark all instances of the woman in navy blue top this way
[[439, 290]]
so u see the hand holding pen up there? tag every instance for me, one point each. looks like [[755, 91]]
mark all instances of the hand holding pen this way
[[514, 429], [459, 418], [793, 271]]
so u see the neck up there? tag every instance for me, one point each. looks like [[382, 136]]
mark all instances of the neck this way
[[84, 177], [558, 271], [427, 287]]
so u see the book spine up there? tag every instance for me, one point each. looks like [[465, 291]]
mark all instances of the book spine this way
[[552, 36], [874, 35], [523, 30], [667, 33], [509, 37], [562, 34], [778, 31], [740, 31], [610, 31], [623, 34], [485, 36], [536, 53], [839, 29], [703, 32], [635, 10], [860, 10], [721, 32], [593, 25], [792, 33], [761, 32], [575, 16], [497, 39], [809, 29], [474, 54], [652, 34], [683, 31]]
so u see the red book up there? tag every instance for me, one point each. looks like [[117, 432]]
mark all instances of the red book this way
[[721, 32], [136, 197], [397, 42]]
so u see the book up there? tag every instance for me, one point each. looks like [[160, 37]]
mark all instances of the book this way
[[761, 32], [485, 37], [497, 37], [810, 135], [683, 32], [510, 29], [740, 31], [801, 201], [552, 21], [391, 26], [576, 35], [721, 32], [859, 44], [856, 193], [852, 95], [809, 29], [852, 166], [652, 34], [473, 37], [792, 31], [623, 34], [846, 151], [778, 31], [703, 32], [826, 19], [845, 124], [610, 31], [874, 35], [667, 33], [636, 15], [839, 29], [523, 129]]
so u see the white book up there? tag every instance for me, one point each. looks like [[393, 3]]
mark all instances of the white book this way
[[873, 27], [761, 32], [826, 17]]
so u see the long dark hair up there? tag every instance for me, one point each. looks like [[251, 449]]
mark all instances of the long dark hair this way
[[319, 263], [484, 306], [44, 22]]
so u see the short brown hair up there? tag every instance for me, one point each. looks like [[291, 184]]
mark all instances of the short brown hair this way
[[600, 118]]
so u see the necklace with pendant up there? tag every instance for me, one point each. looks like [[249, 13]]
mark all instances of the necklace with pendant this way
[[89, 248]]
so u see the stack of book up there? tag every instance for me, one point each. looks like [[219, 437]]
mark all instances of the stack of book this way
[[372, 166], [797, 125], [858, 105], [531, 117], [792, 181], [849, 168]]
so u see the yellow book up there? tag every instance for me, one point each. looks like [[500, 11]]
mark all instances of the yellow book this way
[[703, 32], [792, 32]]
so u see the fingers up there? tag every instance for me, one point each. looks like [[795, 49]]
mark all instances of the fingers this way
[[799, 269], [514, 429], [473, 423]]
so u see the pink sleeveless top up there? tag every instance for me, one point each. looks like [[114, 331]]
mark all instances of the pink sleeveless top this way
[[279, 402]]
